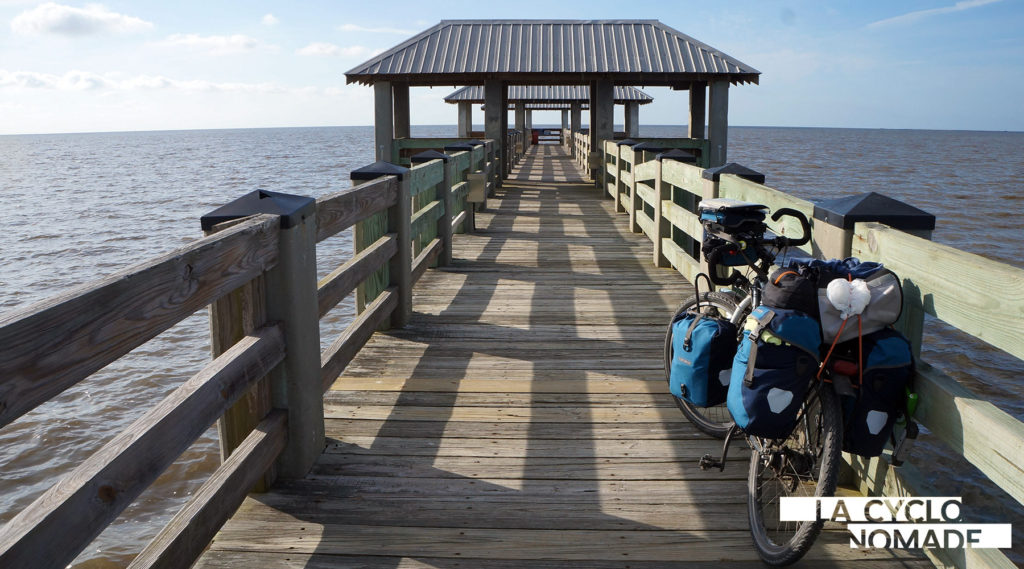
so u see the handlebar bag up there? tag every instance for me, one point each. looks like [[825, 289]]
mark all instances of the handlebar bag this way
[[772, 370], [702, 350], [733, 216], [869, 416]]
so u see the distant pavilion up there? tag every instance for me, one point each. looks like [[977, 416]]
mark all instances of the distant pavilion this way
[[569, 99]]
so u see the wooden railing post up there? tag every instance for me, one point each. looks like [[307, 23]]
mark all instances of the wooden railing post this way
[[399, 220], [662, 227], [291, 297], [443, 193], [635, 203]]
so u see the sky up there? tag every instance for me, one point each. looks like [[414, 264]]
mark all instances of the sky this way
[[70, 66]]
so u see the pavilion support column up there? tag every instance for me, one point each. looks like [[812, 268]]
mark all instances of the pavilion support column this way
[[575, 124], [495, 119], [565, 119], [401, 96], [698, 102], [383, 120], [528, 134], [521, 124], [602, 115], [632, 119], [465, 119], [718, 122]]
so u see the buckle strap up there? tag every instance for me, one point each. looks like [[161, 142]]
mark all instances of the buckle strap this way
[[689, 331]]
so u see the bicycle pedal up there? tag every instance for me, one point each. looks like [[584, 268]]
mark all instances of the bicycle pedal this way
[[707, 461]]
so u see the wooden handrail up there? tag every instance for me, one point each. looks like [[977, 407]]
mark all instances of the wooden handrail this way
[[76, 509], [86, 328]]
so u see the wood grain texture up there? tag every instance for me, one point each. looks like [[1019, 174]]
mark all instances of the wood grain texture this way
[[78, 507], [334, 287], [985, 299], [343, 349], [191, 529], [338, 211], [51, 345]]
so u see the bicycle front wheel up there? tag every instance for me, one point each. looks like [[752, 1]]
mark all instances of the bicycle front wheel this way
[[716, 420], [804, 465]]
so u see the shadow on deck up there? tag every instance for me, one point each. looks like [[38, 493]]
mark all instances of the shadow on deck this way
[[521, 420]]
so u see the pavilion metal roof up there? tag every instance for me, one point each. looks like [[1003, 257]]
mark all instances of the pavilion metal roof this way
[[567, 52], [549, 95]]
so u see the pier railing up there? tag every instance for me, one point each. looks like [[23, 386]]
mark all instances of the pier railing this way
[[978, 296], [265, 384]]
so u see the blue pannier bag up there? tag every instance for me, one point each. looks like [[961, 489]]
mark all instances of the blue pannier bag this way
[[881, 399], [702, 349], [774, 365]]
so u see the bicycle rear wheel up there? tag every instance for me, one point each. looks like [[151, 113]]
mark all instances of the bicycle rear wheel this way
[[716, 420], [805, 464]]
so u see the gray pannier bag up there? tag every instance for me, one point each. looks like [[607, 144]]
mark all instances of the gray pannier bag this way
[[883, 308]]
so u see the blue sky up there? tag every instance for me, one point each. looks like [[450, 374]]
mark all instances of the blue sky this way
[[69, 66]]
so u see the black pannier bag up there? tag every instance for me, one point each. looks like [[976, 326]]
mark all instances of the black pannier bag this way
[[702, 350], [881, 398], [795, 288]]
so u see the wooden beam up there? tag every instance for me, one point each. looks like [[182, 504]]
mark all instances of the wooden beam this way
[[698, 102], [53, 344], [718, 122], [401, 100], [465, 118], [383, 120], [495, 118], [632, 119], [338, 211]]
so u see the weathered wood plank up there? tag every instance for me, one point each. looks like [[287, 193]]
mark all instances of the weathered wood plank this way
[[425, 176], [577, 386], [985, 299], [187, 534], [645, 193], [341, 351], [504, 414], [682, 175], [341, 210], [426, 218], [334, 287], [645, 222], [53, 344], [422, 261], [77, 508], [682, 219]]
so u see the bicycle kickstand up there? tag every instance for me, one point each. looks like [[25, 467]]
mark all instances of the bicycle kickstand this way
[[707, 461]]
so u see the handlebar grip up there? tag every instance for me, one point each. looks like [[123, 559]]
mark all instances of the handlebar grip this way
[[805, 225]]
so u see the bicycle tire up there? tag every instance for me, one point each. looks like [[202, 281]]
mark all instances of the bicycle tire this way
[[716, 420], [783, 543]]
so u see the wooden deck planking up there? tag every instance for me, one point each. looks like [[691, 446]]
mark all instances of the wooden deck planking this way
[[520, 420]]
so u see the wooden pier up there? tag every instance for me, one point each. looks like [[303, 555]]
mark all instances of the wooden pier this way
[[520, 419], [499, 399]]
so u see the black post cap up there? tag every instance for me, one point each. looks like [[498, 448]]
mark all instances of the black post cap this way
[[715, 174], [872, 206], [459, 147], [378, 169], [626, 142], [291, 208], [677, 155], [427, 156], [649, 147]]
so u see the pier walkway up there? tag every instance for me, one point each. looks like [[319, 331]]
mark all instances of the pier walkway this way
[[521, 419]]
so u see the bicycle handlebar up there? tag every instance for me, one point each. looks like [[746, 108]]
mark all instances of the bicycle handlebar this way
[[805, 225]]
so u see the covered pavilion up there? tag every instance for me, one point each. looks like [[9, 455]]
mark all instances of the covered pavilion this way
[[600, 54]]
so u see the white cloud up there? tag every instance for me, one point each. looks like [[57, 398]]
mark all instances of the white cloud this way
[[214, 45], [911, 17], [322, 49], [270, 20], [88, 81], [356, 28], [52, 18]]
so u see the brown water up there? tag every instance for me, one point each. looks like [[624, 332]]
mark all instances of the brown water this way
[[78, 207]]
